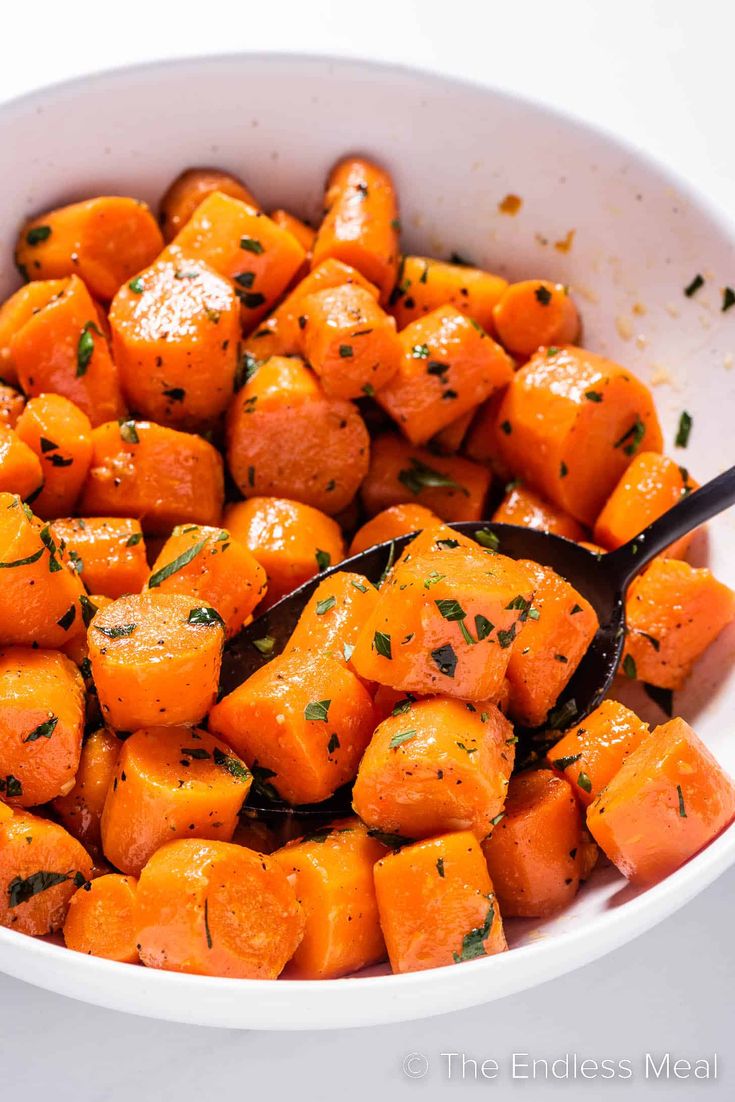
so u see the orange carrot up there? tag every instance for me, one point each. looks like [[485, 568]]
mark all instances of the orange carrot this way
[[12, 404], [16, 311], [423, 284], [189, 190], [20, 468], [397, 520], [449, 440], [524, 507], [533, 313], [590, 755], [101, 919], [304, 233], [80, 810], [333, 617], [61, 436], [482, 442], [108, 553]]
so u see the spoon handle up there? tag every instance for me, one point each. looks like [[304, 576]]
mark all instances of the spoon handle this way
[[693, 510]]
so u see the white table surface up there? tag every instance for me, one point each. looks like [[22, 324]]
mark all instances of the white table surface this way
[[657, 71]]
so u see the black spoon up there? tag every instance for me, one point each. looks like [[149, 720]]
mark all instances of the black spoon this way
[[602, 579]]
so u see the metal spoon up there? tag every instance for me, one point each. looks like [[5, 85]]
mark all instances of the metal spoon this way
[[602, 579]]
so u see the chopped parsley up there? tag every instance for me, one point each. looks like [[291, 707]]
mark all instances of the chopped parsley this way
[[382, 644], [693, 287], [420, 477], [445, 659], [37, 234], [44, 730], [399, 739], [205, 617], [325, 605], [176, 564], [684, 430], [473, 943], [317, 710]]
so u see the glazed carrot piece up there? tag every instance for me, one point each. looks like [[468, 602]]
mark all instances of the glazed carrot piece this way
[[590, 755], [285, 436], [304, 233], [449, 440], [280, 333], [104, 241], [77, 650], [60, 434], [673, 612], [41, 724], [158, 475], [41, 866], [40, 594], [423, 284], [16, 311], [12, 404], [570, 424], [449, 365], [397, 520], [175, 333], [108, 553], [451, 487], [433, 766], [349, 341], [101, 919], [533, 313], [669, 799], [437, 905], [6, 813], [331, 871], [333, 617], [445, 621], [80, 810], [360, 226], [62, 349], [216, 909], [304, 721], [20, 468], [535, 854], [561, 625], [482, 442], [189, 190], [211, 566], [155, 660], [291, 541], [169, 782], [650, 486], [244, 245], [524, 507]]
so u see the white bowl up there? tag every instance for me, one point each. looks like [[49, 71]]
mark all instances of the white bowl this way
[[456, 150]]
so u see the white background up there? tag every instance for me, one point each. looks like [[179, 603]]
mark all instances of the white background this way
[[659, 72]]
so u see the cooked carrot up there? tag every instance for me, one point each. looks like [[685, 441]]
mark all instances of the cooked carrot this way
[[669, 798], [155, 660], [170, 782], [41, 866], [6, 813], [216, 909], [570, 424], [349, 341], [104, 240], [77, 650], [452, 487], [652, 484], [20, 467], [333, 617], [433, 766], [60, 434], [482, 441], [445, 621], [535, 853], [423, 284], [449, 365], [673, 614], [331, 871], [396, 521], [244, 245], [524, 507], [590, 755], [214, 568], [533, 313], [437, 905], [101, 919], [61, 349], [449, 440], [108, 553], [291, 541], [360, 226], [304, 721], [189, 190], [561, 625], [41, 724], [304, 233], [16, 311], [80, 810], [12, 404], [40, 594], [157, 475]]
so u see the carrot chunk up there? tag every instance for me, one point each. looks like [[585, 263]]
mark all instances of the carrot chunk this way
[[101, 919], [189, 190], [434, 765], [304, 722], [331, 871], [155, 660], [423, 284], [333, 617], [60, 434], [108, 553], [437, 905], [80, 810], [524, 507], [12, 404], [396, 521], [533, 313], [536, 853], [170, 781], [216, 909], [16, 311], [482, 442], [304, 233], [590, 755], [20, 467], [669, 798], [449, 440], [673, 613]]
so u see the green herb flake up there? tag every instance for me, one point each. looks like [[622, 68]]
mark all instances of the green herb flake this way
[[317, 710], [575, 609], [197, 753], [440, 866], [445, 659], [251, 299], [563, 469], [207, 931], [175, 393], [562, 715], [593, 395], [486, 538], [85, 347], [382, 645], [420, 352], [693, 287], [333, 743], [323, 559], [398, 740], [630, 441], [386, 838], [265, 645], [205, 617], [68, 618], [44, 730], [682, 808], [134, 540], [584, 782], [118, 631], [136, 285], [418, 476], [563, 763], [346, 351], [128, 431], [543, 295], [728, 299], [251, 245], [325, 605], [450, 609], [234, 767], [506, 427], [176, 564], [505, 638], [21, 889], [473, 943], [684, 430], [483, 626], [403, 706], [38, 234], [629, 667], [359, 586], [89, 608]]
